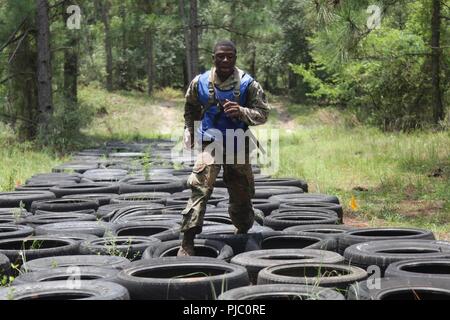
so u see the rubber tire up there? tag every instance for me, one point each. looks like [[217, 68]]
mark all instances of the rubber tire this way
[[312, 197], [100, 290], [171, 231], [278, 291], [97, 228], [438, 269], [85, 188], [283, 221], [255, 261], [265, 192], [73, 272], [68, 247], [341, 282], [64, 205], [373, 252], [316, 205], [13, 199], [133, 248], [9, 231], [288, 240], [170, 186], [221, 250], [173, 288], [352, 237], [49, 218]]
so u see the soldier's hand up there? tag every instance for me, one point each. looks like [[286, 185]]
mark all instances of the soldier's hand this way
[[187, 139], [232, 109]]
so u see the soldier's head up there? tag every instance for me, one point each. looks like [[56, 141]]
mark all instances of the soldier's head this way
[[224, 58]]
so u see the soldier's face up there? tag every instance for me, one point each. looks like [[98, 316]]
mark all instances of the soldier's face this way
[[224, 60]]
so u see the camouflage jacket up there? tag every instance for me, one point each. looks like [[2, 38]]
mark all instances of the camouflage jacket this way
[[255, 112]]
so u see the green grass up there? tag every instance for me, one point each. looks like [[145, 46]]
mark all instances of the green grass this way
[[131, 116], [19, 161]]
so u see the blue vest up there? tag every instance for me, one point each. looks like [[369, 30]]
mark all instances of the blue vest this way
[[213, 117]]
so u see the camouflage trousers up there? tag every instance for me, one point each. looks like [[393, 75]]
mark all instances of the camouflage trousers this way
[[239, 181]]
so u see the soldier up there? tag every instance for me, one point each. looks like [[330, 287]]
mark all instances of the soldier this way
[[223, 98]]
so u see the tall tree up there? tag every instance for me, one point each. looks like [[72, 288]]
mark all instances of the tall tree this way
[[438, 106], [71, 58], [187, 42], [149, 48], [104, 8], [44, 70], [194, 31]]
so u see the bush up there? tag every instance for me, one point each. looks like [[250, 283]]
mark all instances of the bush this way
[[65, 125]]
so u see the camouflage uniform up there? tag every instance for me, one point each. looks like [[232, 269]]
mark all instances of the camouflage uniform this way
[[237, 177]]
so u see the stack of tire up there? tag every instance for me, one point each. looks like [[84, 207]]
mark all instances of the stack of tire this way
[[107, 226]]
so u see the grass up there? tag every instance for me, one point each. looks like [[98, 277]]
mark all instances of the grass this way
[[19, 160], [405, 176]]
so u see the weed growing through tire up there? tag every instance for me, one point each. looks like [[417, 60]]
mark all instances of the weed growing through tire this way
[[223, 286]]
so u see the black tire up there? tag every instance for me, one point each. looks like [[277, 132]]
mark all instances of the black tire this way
[[85, 188], [315, 205], [239, 242], [15, 198], [181, 278], [330, 231], [255, 261], [283, 221], [265, 192], [43, 186], [64, 205], [174, 218], [287, 240], [164, 231], [170, 186], [50, 263], [5, 265], [37, 247], [304, 197], [155, 197], [203, 248], [128, 210], [79, 167], [281, 292], [68, 273], [265, 205], [97, 228], [105, 175], [102, 198], [384, 252], [59, 290], [49, 218], [434, 269], [352, 237], [182, 198], [55, 178], [283, 182], [400, 289], [315, 274], [9, 231], [130, 247]]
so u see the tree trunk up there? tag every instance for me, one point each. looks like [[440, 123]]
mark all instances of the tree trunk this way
[[253, 60], [23, 90], [438, 107], [44, 70], [187, 43], [104, 6], [70, 86], [194, 37], [149, 44], [122, 66]]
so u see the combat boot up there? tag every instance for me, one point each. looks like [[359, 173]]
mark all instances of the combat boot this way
[[187, 244]]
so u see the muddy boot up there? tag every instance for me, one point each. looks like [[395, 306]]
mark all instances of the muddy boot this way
[[240, 231], [187, 244]]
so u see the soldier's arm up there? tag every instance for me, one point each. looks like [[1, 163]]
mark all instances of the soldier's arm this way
[[257, 108], [192, 107]]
